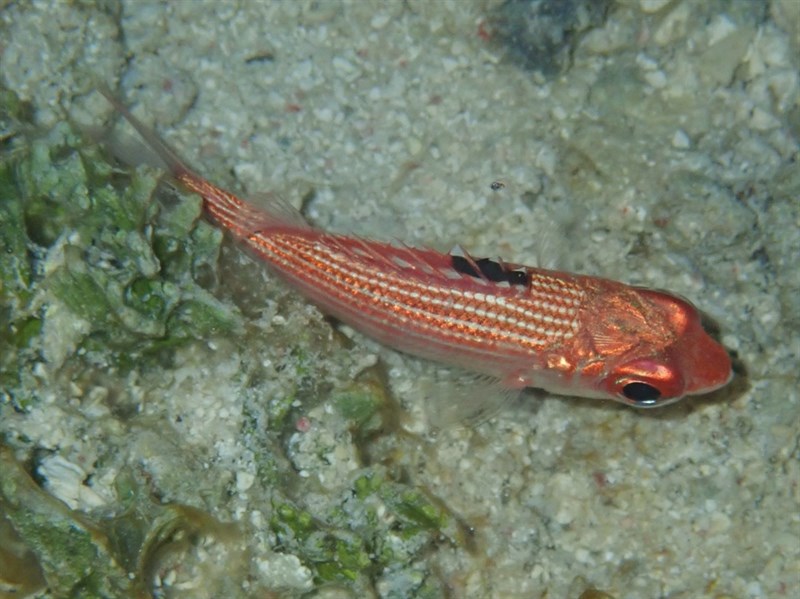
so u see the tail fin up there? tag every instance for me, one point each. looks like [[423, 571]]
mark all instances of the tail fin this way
[[235, 214], [172, 162]]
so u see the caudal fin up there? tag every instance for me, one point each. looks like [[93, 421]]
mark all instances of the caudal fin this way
[[171, 161], [242, 218]]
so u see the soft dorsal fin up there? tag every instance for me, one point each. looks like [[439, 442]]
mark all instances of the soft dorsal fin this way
[[489, 270]]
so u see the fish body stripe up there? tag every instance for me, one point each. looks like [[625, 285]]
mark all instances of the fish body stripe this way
[[542, 313], [532, 318]]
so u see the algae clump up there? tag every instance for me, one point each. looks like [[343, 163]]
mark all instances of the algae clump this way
[[94, 269]]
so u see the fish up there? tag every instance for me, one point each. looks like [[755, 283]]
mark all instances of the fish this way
[[523, 326]]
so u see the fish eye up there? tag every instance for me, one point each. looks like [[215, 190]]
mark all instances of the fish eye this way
[[641, 394]]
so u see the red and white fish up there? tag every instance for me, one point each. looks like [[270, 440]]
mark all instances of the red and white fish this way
[[567, 333]]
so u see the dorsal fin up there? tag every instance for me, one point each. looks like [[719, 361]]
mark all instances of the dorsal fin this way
[[489, 270]]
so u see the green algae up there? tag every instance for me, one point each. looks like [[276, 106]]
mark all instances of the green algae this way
[[15, 265], [380, 525], [83, 242], [69, 549], [333, 553], [120, 554], [19, 326], [358, 403], [76, 231], [119, 274]]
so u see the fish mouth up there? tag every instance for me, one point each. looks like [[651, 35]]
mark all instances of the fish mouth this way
[[699, 356], [707, 362]]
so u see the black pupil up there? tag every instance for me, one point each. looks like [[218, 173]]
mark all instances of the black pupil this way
[[641, 392]]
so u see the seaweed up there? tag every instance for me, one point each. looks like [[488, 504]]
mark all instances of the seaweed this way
[[379, 528], [103, 274], [70, 552], [95, 269], [122, 554]]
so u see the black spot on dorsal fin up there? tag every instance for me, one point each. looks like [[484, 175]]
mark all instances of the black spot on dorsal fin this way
[[484, 268]]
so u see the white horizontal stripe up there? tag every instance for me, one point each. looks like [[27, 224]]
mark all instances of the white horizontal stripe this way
[[343, 268]]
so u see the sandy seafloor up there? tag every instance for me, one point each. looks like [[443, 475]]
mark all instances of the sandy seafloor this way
[[665, 155]]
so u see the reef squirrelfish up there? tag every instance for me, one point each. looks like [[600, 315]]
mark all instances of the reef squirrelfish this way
[[524, 326]]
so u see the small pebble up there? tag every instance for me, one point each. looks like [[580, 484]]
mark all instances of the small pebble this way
[[650, 6], [680, 140], [380, 20]]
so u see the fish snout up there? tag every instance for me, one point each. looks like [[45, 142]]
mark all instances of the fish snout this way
[[705, 362]]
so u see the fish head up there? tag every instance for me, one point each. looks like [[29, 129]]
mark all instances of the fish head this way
[[655, 349]]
